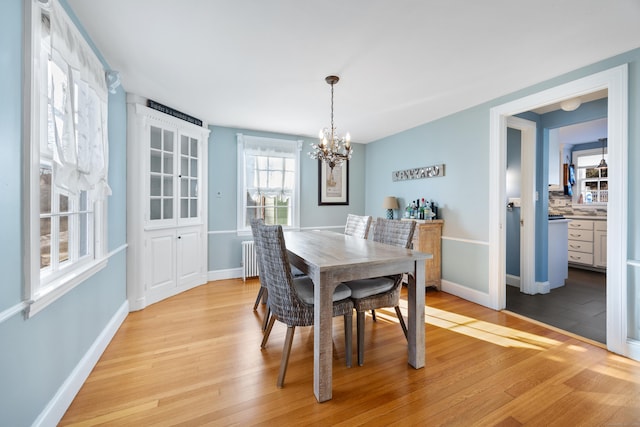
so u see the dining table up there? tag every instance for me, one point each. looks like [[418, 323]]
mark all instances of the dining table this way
[[329, 258]]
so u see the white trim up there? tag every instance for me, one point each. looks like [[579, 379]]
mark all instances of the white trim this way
[[634, 263], [117, 250], [473, 242], [464, 292], [512, 280], [12, 311], [616, 81], [323, 227], [59, 288], [58, 405], [633, 347], [527, 229], [229, 273], [222, 232]]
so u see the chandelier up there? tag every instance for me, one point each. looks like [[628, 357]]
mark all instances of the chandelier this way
[[332, 149]]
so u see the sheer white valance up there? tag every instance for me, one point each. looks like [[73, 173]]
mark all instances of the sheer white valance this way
[[77, 108]]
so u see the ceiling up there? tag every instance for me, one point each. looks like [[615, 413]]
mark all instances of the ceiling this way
[[261, 64]]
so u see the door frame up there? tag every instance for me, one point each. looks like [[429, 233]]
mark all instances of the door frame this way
[[615, 80], [527, 229]]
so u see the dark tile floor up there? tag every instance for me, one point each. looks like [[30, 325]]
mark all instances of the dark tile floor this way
[[578, 307]]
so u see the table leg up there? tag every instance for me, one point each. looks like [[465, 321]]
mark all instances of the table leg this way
[[416, 316], [322, 337]]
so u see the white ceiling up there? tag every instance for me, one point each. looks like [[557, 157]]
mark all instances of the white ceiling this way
[[261, 64]]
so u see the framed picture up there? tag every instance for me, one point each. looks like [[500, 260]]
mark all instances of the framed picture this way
[[333, 185]]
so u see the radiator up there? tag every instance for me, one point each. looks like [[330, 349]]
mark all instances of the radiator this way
[[249, 260]]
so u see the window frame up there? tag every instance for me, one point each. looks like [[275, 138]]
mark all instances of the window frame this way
[[582, 153], [40, 289], [296, 145]]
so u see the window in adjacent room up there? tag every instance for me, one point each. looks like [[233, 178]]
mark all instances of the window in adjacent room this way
[[268, 181], [592, 183], [67, 155]]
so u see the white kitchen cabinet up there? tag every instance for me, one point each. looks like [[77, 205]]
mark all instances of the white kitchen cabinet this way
[[166, 200], [600, 244], [585, 246]]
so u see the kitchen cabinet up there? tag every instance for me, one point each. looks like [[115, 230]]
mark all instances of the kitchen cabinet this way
[[166, 201], [585, 243], [600, 244]]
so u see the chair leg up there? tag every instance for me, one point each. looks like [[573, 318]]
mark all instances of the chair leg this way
[[285, 355], [402, 324], [373, 315], [360, 336], [267, 332], [348, 337], [265, 321], [260, 292]]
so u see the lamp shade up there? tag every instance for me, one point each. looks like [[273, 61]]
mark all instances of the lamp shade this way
[[390, 202]]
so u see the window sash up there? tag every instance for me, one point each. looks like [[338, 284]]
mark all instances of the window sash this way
[[268, 181]]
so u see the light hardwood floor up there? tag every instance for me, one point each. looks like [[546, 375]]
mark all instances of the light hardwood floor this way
[[195, 359]]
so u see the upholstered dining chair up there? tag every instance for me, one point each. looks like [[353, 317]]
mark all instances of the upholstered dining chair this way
[[379, 292], [358, 225], [291, 299]]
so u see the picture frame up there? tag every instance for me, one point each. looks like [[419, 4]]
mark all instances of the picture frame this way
[[333, 186]]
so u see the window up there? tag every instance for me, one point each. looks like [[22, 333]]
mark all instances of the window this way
[[268, 181], [592, 183], [67, 155]]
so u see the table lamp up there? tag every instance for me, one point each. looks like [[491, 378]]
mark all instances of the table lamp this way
[[390, 203]]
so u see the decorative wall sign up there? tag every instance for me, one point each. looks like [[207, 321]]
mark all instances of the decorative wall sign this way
[[418, 173], [175, 113]]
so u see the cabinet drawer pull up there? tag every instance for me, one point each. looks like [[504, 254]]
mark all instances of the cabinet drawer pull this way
[[576, 257], [576, 246]]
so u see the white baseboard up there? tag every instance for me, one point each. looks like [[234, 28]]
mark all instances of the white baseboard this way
[[544, 287], [512, 280], [633, 349], [472, 295], [230, 273], [58, 405]]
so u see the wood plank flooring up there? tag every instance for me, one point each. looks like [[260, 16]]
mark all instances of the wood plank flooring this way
[[195, 359]]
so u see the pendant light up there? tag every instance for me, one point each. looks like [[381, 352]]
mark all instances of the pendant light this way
[[603, 162]]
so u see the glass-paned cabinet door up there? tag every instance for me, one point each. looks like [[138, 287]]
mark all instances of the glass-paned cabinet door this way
[[188, 176], [161, 173]]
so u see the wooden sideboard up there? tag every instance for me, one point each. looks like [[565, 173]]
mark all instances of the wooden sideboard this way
[[428, 238]]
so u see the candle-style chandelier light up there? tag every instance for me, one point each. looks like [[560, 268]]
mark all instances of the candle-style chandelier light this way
[[332, 149]]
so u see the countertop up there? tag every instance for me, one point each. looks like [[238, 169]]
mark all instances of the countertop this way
[[594, 218]]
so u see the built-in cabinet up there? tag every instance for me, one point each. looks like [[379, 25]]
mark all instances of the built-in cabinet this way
[[587, 243], [166, 202]]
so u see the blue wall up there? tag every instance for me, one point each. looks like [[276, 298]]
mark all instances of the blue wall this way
[[224, 242], [461, 141], [37, 355]]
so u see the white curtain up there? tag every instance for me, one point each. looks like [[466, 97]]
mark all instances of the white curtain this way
[[270, 167], [78, 114]]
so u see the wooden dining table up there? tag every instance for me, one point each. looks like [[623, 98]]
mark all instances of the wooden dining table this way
[[329, 258]]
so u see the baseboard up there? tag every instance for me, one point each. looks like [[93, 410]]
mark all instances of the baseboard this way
[[633, 349], [543, 287], [472, 295], [58, 405], [230, 273], [512, 280]]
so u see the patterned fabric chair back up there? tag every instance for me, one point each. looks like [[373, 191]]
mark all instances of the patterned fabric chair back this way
[[357, 226]]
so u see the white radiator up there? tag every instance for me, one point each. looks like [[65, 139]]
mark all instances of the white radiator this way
[[249, 260]]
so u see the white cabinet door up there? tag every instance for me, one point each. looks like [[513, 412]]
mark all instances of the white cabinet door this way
[[190, 263], [161, 271], [600, 249]]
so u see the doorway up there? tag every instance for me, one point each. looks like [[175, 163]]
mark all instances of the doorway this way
[[615, 80]]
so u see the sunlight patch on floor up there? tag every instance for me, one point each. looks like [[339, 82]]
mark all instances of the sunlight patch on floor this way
[[486, 331]]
